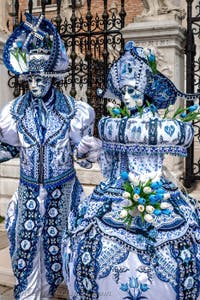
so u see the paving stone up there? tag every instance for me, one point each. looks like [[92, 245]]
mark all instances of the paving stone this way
[[3, 289], [3, 240], [61, 293], [7, 294]]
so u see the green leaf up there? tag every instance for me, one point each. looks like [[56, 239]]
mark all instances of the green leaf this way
[[178, 112], [140, 110], [128, 188], [111, 112], [166, 113], [192, 116], [125, 112], [153, 65]]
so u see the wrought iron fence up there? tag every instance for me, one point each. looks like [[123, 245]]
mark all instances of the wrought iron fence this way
[[192, 165], [92, 42]]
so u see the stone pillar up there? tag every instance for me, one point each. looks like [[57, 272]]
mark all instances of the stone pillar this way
[[6, 183], [5, 91], [166, 35]]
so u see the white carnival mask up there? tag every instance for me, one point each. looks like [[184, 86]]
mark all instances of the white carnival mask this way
[[131, 97], [39, 85]]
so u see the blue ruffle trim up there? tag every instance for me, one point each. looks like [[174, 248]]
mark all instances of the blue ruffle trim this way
[[146, 149]]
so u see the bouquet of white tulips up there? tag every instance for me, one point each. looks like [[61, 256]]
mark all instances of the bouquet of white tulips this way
[[144, 195]]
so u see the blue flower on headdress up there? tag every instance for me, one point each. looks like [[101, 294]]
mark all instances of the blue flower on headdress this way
[[124, 175], [116, 111], [193, 107], [19, 44], [183, 115], [151, 57], [153, 108]]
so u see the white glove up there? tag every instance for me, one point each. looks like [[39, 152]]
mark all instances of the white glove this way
[[89, 148]]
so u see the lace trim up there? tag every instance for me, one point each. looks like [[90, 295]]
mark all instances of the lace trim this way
[[146, 149]]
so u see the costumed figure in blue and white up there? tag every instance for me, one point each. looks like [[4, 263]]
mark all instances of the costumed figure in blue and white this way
[[47, 128], [138, 234]]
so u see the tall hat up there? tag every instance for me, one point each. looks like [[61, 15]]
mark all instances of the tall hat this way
[[35, 47], [137, 68]]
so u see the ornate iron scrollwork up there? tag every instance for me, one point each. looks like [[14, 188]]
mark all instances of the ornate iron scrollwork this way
[[192, 165]]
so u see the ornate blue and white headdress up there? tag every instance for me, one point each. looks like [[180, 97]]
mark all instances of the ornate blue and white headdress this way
[[137, 68], [129, 69], [35, 47]]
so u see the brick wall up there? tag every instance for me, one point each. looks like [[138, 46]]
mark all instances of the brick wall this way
[[132, 8]]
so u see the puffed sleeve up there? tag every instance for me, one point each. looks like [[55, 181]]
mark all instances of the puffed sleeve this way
[[8, 128], [86, 147], [83, 122]]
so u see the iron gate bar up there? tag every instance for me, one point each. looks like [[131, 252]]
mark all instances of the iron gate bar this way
[[58, 18], [190, 50], [30, 6]]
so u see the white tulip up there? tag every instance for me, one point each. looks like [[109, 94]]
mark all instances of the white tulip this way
[[136, 197], [147, 190], [150, 209], [110, 105], [171, 107], [166, 196], [148, 218], [133, 179], [146, 51], [123, 214], [136, 182], [140, 208], [126, 195], [143, 179], [164, 205], [139, 102]]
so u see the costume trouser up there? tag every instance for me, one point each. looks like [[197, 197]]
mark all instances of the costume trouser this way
[[30, 215], [36, 220], [38, 287]]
